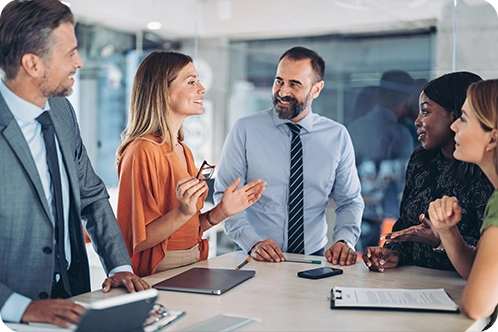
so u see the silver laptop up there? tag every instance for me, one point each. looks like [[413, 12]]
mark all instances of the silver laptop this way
[[205, 281]]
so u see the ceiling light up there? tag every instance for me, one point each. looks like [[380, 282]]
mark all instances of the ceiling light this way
[[154, 25]]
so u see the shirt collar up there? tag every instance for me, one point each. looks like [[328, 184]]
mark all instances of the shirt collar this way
[[306, 122], [21, 109]]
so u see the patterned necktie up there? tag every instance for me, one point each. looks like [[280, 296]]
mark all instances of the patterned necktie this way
[[295, 231], [53, 164]]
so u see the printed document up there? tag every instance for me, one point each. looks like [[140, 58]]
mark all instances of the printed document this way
[[392, 298]]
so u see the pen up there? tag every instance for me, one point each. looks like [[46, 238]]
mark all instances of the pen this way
[[241, 265], [311, 261]]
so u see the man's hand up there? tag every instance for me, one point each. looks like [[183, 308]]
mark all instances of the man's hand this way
[[267, 250], [340, 253], [127, 279], [58, 312], [380, 258]]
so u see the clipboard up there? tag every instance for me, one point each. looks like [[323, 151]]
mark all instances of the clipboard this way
[[392, 299]]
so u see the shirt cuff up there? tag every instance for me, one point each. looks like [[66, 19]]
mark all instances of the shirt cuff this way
[[121, 268], [245, 238], [348, 243], [14, 308]]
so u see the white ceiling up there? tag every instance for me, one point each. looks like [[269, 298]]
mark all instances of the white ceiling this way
[[237, 19]]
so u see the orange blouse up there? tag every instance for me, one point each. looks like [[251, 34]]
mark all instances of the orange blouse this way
[[148, 176]]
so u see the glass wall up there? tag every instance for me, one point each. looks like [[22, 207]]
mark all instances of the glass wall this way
[[240, 70], [352, 62], [423, 38]]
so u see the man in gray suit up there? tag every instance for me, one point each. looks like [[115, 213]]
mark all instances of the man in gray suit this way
[[38, 54]]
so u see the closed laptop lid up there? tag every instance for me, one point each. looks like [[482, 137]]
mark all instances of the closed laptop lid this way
[[205, 281]]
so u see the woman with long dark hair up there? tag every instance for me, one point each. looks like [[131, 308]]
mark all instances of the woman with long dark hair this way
[[431, 173]]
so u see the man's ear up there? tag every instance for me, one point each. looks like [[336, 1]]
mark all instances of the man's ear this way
[[317, 88], [32, 65]]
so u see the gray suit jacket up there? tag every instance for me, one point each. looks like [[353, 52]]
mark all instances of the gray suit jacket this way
[[26, 232]]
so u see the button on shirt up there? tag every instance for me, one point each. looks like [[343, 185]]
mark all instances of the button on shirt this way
[[258, 147]]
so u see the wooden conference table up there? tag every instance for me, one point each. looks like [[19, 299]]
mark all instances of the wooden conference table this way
[[283, 302]]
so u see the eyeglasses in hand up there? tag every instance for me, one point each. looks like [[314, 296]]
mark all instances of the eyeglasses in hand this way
[[206, 171]]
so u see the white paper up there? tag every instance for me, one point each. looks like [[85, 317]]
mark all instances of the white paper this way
[[430, 299]]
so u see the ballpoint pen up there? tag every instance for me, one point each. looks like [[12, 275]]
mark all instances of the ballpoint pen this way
[[241, 265], [311, 261]]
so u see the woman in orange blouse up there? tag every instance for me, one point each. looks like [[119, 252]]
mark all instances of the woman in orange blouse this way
[[160, 198]]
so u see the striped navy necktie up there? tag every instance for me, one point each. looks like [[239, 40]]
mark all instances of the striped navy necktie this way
[[295, 230]]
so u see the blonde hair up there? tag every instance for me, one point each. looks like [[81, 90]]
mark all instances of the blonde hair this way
[[149, 113], [483, 102]]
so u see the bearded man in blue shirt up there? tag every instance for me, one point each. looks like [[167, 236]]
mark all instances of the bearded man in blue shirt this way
[[305, 158]]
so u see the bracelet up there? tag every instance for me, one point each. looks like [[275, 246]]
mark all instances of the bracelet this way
[[439, 248], [208, 218]]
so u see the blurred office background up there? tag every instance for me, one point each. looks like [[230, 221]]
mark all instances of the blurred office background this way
[[236, 45]]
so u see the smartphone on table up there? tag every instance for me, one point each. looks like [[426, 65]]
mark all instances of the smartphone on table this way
[[319, 273]]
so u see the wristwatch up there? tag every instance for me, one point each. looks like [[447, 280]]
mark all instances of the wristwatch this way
[[439, 248]]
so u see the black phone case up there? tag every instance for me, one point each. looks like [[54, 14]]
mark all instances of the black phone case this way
[[303, 274]]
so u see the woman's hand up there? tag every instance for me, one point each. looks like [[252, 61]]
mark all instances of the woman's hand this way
[[445, 213], [380, 258], [422, 232], [188, 191], [237, 200]]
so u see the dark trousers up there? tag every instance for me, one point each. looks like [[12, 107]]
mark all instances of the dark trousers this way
[[58, 291], [320, 252]]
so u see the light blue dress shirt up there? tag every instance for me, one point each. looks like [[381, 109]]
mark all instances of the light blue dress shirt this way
[[25, 115], [258, 147]]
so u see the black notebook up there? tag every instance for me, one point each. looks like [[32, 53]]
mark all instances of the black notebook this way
[[205, 281]]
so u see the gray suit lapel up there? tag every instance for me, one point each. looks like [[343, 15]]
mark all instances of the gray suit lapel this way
[[15, 138], [65, 139]]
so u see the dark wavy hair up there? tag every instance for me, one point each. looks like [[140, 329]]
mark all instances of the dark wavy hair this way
[[26, 27], [450, 91]]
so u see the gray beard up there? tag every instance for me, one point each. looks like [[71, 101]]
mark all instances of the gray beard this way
[[293, 110]]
